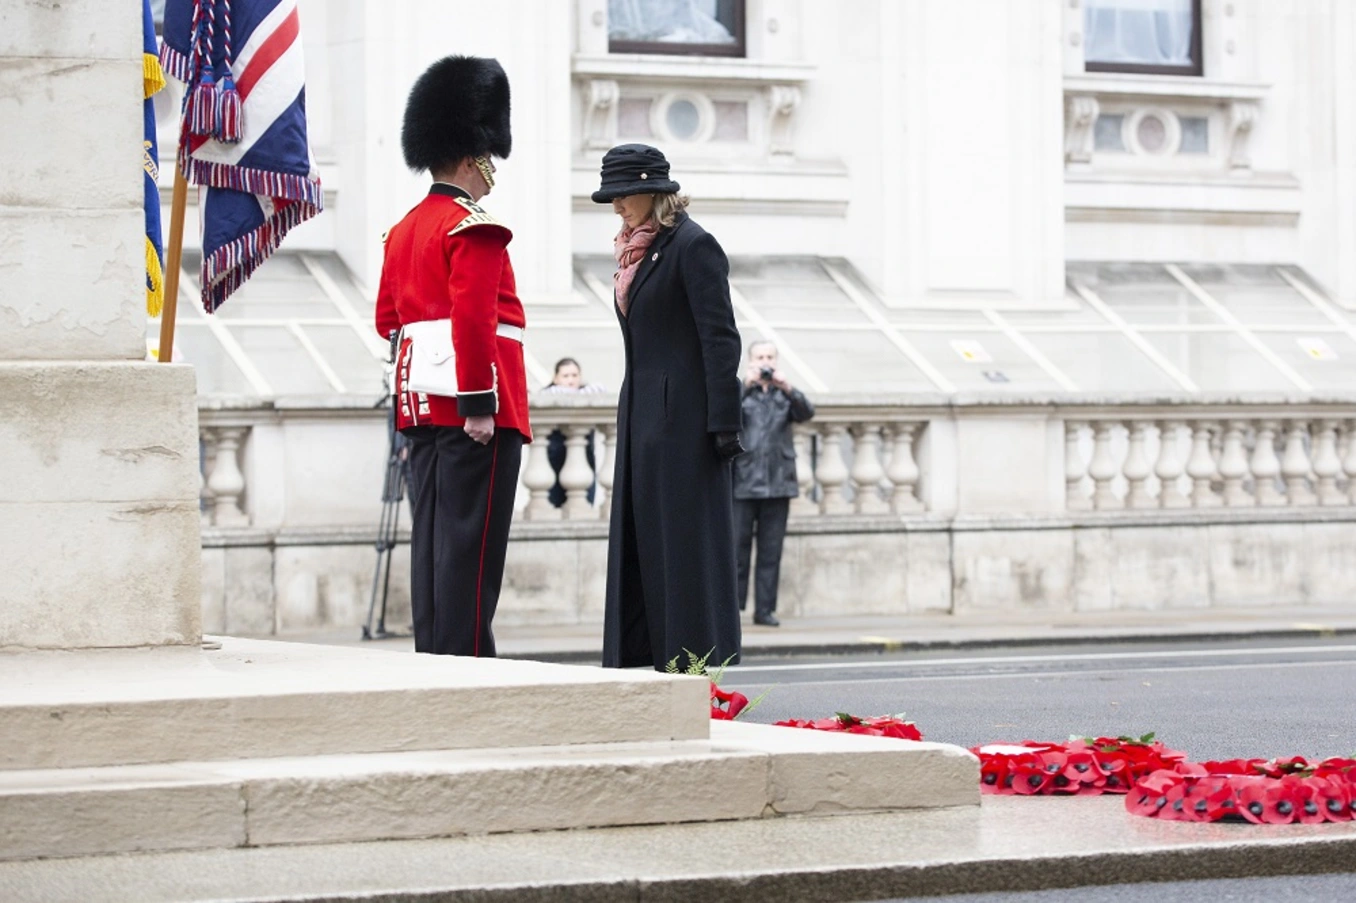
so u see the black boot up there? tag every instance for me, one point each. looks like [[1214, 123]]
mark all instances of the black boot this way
[[767, 619]]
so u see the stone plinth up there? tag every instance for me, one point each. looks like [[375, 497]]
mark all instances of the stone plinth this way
[[98, 449]]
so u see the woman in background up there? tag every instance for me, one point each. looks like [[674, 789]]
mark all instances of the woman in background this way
[[568, 378]]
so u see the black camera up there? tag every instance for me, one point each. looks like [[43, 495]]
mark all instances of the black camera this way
[[766, 374]]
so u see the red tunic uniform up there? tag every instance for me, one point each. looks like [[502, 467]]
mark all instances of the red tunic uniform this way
[[448, 259]]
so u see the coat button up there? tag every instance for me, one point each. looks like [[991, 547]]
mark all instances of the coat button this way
[[656, 256]]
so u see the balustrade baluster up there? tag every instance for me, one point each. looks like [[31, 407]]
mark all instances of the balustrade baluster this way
[[1295, 468], [1349, 459], [576, 477], [1136, 468], [539, 477], [1233, 466], [867, 472], [1102, 468], [1075, 468], [903, 472], [208, 436], [805, 479], [1169, 468], [832, 473], [1201, 467], [1327, 465], [227, 483], [606, 467], [1266, 467]]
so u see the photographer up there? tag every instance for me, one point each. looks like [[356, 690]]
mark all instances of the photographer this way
[[765, 477]]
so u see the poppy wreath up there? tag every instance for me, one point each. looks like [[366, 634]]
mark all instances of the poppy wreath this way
[[1086, 766], [1275, 792], [881, 726]]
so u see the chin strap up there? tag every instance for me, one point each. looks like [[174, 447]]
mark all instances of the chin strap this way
[[487, 171]]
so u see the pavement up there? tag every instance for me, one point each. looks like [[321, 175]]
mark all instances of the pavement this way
[[1007, 843], [857, 635]]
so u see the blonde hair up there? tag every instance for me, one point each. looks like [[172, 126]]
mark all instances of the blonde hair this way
[[667, 207]]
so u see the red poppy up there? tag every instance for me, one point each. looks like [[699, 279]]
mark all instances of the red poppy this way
[[1150, 795], [1029, 776], [1333, 796], [898, 728], [1311, 800], [993, 772], [1081, 769], [726, 706], [1251, 796], [1283, 802]]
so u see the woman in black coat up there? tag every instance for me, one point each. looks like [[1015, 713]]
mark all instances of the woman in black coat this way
[[671, 549]]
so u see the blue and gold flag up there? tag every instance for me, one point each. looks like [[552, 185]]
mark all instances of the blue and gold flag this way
[[154, 80]]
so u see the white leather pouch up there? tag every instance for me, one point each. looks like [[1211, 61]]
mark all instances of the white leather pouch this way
[[433, 362]]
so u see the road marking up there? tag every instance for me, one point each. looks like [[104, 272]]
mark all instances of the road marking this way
[[1031, 659], [1012, 675]]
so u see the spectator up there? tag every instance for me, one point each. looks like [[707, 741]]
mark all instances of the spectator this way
[[568, 378], [765, 477]]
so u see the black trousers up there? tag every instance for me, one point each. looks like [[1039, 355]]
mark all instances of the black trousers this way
[[769, 515], [461, 502]]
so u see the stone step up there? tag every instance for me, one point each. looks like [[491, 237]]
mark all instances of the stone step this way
[[1004, 846], [744, 771], [259, 699]]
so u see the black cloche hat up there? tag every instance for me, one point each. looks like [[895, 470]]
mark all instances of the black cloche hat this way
[[634, 169], [458, 108]]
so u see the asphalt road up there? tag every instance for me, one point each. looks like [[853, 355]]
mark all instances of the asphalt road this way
[[1213, 700]]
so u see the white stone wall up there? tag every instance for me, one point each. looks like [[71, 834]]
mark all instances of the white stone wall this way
[[925, 141]]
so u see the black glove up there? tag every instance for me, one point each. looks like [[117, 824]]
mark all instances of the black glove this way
[[727, 445]]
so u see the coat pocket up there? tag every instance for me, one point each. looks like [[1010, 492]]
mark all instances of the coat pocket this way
[[664, 394]]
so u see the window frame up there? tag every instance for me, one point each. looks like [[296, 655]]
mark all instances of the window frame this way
[[1196, 68], [738, 49]]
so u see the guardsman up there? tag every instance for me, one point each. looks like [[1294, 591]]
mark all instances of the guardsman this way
[[460, 390]]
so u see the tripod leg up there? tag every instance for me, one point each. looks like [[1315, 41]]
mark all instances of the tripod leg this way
[[391, 539]]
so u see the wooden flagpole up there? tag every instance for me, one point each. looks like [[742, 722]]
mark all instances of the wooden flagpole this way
[[173, 259]]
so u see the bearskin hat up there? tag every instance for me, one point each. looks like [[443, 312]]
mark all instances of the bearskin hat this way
[[458, 108]]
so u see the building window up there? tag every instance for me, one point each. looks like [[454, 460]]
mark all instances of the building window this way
[[1157, 37], [689, 27]]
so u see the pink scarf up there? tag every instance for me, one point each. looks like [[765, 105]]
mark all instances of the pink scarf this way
[[629, 247]]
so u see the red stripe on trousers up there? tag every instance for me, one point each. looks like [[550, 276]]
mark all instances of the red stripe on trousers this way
[[484, 539]]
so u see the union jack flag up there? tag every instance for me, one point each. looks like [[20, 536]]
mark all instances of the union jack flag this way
[[243, 132]]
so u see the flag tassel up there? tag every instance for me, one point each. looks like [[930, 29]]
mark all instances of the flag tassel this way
[[202, 114], [229, 127]]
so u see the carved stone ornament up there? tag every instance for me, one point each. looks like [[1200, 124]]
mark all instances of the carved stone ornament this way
[[599, 114], [1242, 117], [782, 101], [1080, 115]]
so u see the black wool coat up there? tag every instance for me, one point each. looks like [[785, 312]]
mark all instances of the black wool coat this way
[[671, 547]]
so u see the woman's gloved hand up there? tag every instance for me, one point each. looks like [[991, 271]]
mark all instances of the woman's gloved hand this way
[[727, 445]]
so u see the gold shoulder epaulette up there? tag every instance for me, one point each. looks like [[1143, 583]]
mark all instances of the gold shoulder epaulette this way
[[478, 217]]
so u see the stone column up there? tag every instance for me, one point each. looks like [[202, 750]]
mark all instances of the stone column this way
[[99, 532]]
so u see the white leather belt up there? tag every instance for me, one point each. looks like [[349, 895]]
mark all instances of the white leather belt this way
[[511, 332]]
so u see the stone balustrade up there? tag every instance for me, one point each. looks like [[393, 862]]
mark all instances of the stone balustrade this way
[[1243, 456], [872, 457]]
